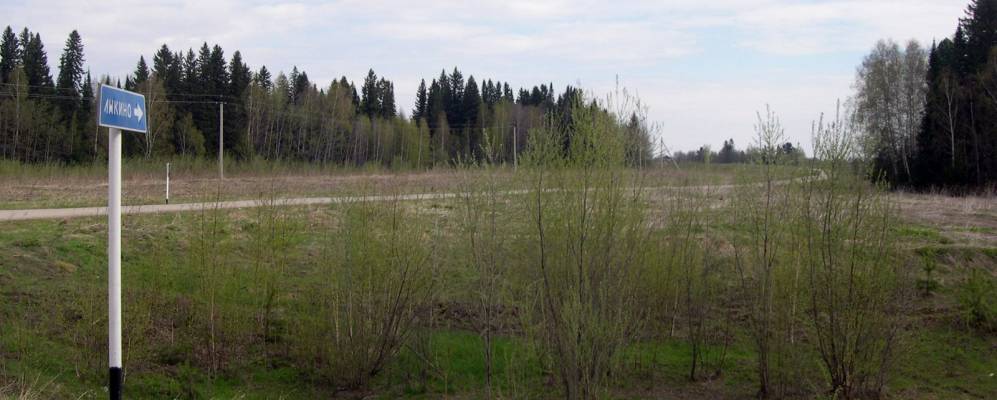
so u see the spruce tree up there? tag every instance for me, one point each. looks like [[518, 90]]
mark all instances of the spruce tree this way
[[71, 75], [300, 85], [421, 96], [88, 140], [471, 107], [386, 93], [141, 72], [454, 111], [980, 28], [264, 79], [35, 62], [161, 62], [434, 106], [370, 96], [235, 118], [8, 54]]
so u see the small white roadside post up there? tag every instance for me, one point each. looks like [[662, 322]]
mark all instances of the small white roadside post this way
[[119, 109], [167, 183], [221, 141]]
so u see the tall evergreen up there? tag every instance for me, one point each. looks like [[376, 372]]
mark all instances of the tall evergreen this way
[[471, 108], [235, 119], [71, 75], [386, 93], [980, 28], [421, 97], [8, 53], [370, 99], [88, 140], [141, 71], [957, 144], [35, 62], [434, 106], [161, 62], [263, 78], [299, 86], [454, 108]]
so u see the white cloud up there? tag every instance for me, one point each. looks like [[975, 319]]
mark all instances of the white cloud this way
[[527, 42]]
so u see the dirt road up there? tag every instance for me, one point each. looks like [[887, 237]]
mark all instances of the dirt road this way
[[57, 213]]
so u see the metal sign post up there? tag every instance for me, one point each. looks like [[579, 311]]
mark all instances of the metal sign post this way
[[119, 109]]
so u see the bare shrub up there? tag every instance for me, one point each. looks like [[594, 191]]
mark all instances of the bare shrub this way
[[485, 233], [272, 234], [590, 231], [765, 264], [858, 288], [378, 276], [698, 283]]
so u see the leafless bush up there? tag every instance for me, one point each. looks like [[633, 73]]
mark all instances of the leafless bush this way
[[590, 231], [378, 276], [858, 289], [763, 260]]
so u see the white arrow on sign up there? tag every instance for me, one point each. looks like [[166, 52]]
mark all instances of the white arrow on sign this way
[[138, 112]]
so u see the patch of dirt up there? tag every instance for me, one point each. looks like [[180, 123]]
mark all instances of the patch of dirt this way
[[465, 316]]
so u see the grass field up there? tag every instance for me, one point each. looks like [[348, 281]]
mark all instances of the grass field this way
[[32, 186], [254, 303]]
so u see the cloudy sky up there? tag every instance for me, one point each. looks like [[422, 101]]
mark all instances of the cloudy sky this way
[[703, 67]]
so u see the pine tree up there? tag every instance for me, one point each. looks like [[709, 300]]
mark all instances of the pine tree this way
[[141, 72], [370, 97], [217, 73], [300, 85], [88, 136], [980, 28], [471, 107], [190, 81], [421, 97], [264, 79], [386, 93], [454, 110], [235, 119], [8, 53], [434, 106], [71, 75], [35, 62], [445, 98], [168, 68], [161, 62]]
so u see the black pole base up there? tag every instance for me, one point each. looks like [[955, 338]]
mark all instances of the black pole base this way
[[114, 385]]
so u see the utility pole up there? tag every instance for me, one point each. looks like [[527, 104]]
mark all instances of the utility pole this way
[[515, 147], [221, 140]]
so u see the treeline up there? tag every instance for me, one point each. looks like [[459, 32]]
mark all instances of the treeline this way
[[196, 99], [930, 117], [730, 154]]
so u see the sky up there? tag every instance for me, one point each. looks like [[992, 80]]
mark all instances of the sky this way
[[703, 68]]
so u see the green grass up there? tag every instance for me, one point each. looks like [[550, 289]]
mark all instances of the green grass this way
[[947, 363], [922, 234], [52, 315]]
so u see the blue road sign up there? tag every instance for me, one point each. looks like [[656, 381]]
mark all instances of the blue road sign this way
[[123, 110]]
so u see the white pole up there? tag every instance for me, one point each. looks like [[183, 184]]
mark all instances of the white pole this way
[[114, 262], [167, 183], [221, 140]]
